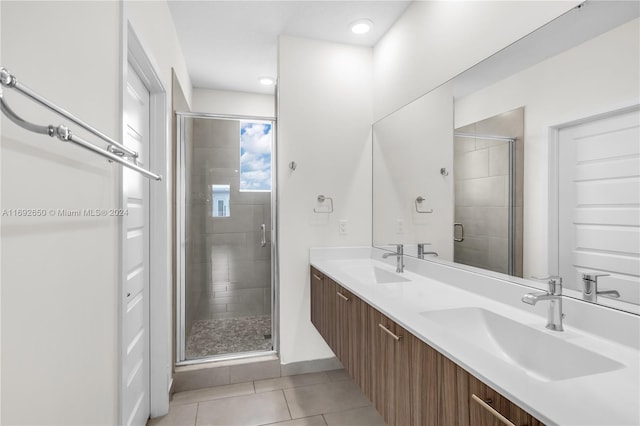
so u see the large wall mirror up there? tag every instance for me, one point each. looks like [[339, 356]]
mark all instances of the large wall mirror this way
[[527, 164]]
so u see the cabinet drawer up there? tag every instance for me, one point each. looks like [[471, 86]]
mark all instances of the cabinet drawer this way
[[489, 408]]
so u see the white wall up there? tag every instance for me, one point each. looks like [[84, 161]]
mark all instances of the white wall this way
[[597, 76], [60, 274], [325, 114], [233, 103], [435, 40]]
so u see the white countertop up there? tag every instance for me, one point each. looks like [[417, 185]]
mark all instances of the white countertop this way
[[609, 398]]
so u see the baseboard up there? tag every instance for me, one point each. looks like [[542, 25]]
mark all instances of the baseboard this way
[[310, 366]]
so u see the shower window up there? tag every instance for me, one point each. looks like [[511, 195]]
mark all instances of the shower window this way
[[255, 156]]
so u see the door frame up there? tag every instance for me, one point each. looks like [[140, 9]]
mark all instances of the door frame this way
[[554, 179], [181, 248], [134, 52]]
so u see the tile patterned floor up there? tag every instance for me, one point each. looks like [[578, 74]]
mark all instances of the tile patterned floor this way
[[315, 399], [229, 335]]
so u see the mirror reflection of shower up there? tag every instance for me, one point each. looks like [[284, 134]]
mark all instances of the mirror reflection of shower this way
[[488, 169], [226, 293]]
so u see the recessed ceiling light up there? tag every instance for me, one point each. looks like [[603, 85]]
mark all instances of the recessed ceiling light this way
[[361, 26], [267, 81]]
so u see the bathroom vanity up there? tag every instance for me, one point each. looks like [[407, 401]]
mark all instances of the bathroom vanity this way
[[427, 349]]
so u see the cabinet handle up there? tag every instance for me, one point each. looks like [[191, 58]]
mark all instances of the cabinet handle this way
[[345, 298], [492, 410], [317, 277], [389, 332]]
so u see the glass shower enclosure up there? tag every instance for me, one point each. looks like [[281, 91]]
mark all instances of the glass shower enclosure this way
[[225, 215]]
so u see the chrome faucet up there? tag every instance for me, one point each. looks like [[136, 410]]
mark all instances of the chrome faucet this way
[[399, 257], [421, 251], [590, 290], [554, 296]]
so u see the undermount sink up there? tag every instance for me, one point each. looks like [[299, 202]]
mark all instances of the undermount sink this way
[[537, 352], [369, 273]]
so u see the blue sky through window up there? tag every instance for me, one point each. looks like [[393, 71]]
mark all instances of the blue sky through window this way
[[255, 156]]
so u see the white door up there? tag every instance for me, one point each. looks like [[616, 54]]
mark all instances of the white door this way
[[599, 199], [135, 380]]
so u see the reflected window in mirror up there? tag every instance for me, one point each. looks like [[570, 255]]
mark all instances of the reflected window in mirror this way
[[220, 194]]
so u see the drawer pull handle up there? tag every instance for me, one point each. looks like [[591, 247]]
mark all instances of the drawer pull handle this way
[[492, 410], [345, 298], [317, 277], [389, 332]]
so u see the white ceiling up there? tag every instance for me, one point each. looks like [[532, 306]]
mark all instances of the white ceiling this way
[[228, 45]]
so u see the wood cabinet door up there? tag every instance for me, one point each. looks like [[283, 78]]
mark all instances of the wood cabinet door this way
[[423, 377], [392, 369], [344, 302], [403, 369], [453, 403], [357, 365], [382, 365], [329, 307], [351, 334], [489, 408], [316, 282]]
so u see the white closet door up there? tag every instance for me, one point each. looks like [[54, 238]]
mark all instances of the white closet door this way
[[599, 225], [135, 309]]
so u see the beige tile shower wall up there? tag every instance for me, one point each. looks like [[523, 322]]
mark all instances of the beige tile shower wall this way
[[234, 270]]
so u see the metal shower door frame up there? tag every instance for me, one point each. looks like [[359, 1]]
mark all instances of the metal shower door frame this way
[[181, 239]]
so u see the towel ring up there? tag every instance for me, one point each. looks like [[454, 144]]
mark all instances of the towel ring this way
[[321, 199]]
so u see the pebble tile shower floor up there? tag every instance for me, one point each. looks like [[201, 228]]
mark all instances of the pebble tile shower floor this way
[[229, 335]]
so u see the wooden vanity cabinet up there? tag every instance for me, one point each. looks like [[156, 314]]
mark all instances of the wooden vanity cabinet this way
[[340, 318], [324, 309], [408, 382]]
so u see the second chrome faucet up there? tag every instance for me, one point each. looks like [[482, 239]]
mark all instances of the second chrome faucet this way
[[399, 257], [554, 296]]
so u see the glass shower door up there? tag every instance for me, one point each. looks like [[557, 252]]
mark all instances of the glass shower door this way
[[226, 291]]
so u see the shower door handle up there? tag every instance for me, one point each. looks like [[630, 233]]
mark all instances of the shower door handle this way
[[263, 240], [461, 239]]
